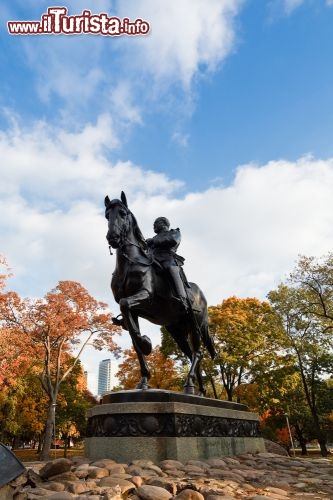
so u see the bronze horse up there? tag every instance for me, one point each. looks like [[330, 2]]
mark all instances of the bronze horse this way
[[143, 291]]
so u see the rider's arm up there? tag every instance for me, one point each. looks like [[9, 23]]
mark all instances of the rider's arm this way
[[167, 239]]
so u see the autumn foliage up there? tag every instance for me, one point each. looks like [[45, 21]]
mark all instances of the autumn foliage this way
[[164, 374], [45, 338], [246, 333], [275, 357]]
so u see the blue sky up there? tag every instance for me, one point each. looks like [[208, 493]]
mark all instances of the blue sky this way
[[269, 98], [220, 119]]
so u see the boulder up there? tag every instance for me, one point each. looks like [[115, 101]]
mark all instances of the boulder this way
[[55, 467], [147, 492]]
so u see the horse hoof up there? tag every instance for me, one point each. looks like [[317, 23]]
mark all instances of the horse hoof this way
[[189, 389], [144, 345], [142, 385]]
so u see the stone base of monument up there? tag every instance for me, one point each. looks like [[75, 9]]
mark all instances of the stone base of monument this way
[[159, 425]]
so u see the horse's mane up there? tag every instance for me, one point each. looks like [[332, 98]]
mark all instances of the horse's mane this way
[[137, 232]]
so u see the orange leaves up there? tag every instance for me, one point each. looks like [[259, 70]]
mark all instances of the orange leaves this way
[[246, 334], [164, 374], [4, 272], [15, 356], [243, 326], [282, 436], [45, 330]]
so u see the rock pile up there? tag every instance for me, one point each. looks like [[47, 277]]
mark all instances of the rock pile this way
[[253, 477]]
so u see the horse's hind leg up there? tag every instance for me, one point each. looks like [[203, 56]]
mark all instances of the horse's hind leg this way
[[202, 390], [195, 357], [194, 342]]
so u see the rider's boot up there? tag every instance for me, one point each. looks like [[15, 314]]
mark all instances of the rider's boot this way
[[179, 286]]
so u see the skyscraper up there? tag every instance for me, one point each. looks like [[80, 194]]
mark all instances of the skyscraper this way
[[104, 376]]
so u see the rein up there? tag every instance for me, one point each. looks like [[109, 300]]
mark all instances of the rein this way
[[134, 261], [130, 261], [124, 241]]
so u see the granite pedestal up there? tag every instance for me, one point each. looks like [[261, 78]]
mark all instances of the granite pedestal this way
[[159, 425]]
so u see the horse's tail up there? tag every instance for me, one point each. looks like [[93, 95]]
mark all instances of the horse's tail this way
[[200, 317], [208, 341]]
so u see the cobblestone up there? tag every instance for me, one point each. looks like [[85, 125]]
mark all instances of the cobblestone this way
[[251, 477]]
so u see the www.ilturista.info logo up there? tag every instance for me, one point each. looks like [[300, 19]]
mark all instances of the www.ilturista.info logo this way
[[56, 22]]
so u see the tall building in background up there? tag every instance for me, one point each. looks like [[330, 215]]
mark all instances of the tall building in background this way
[[104, 376]]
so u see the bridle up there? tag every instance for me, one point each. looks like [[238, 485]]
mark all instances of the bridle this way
[[123, 239]]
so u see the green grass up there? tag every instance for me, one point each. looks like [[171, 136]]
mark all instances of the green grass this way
[[28, 455]]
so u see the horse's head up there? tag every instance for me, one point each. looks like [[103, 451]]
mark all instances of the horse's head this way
[[120, 222], [118, 216]]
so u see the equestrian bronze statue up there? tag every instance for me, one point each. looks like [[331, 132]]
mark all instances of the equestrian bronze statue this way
[[149, 282]]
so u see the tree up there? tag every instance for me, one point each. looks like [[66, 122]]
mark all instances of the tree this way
[[15, 352], [164, 374], [15, 357], [23, 410], [246, 333], [73, 401], [67, 319], [305, 315], [279, 394], [315, 278]]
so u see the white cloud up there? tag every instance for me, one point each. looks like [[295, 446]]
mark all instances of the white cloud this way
[[86, 74], [185, 36], [290, 5], [68, 165], [122, 104], [240, 239], [237, 239], [68, 67], [181, 139], [52, 191], [278, 9]]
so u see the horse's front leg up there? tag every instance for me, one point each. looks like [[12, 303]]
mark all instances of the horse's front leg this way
[[126, 305], [144, 368], [141, 343]]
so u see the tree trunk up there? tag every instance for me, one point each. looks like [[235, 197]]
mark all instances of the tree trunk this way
[[310, 397], [212, 383], [304, 449], [49, 430], [65, 440], [322, 444], [301, 439], [229, 394], [39, 447], [319, 433]]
